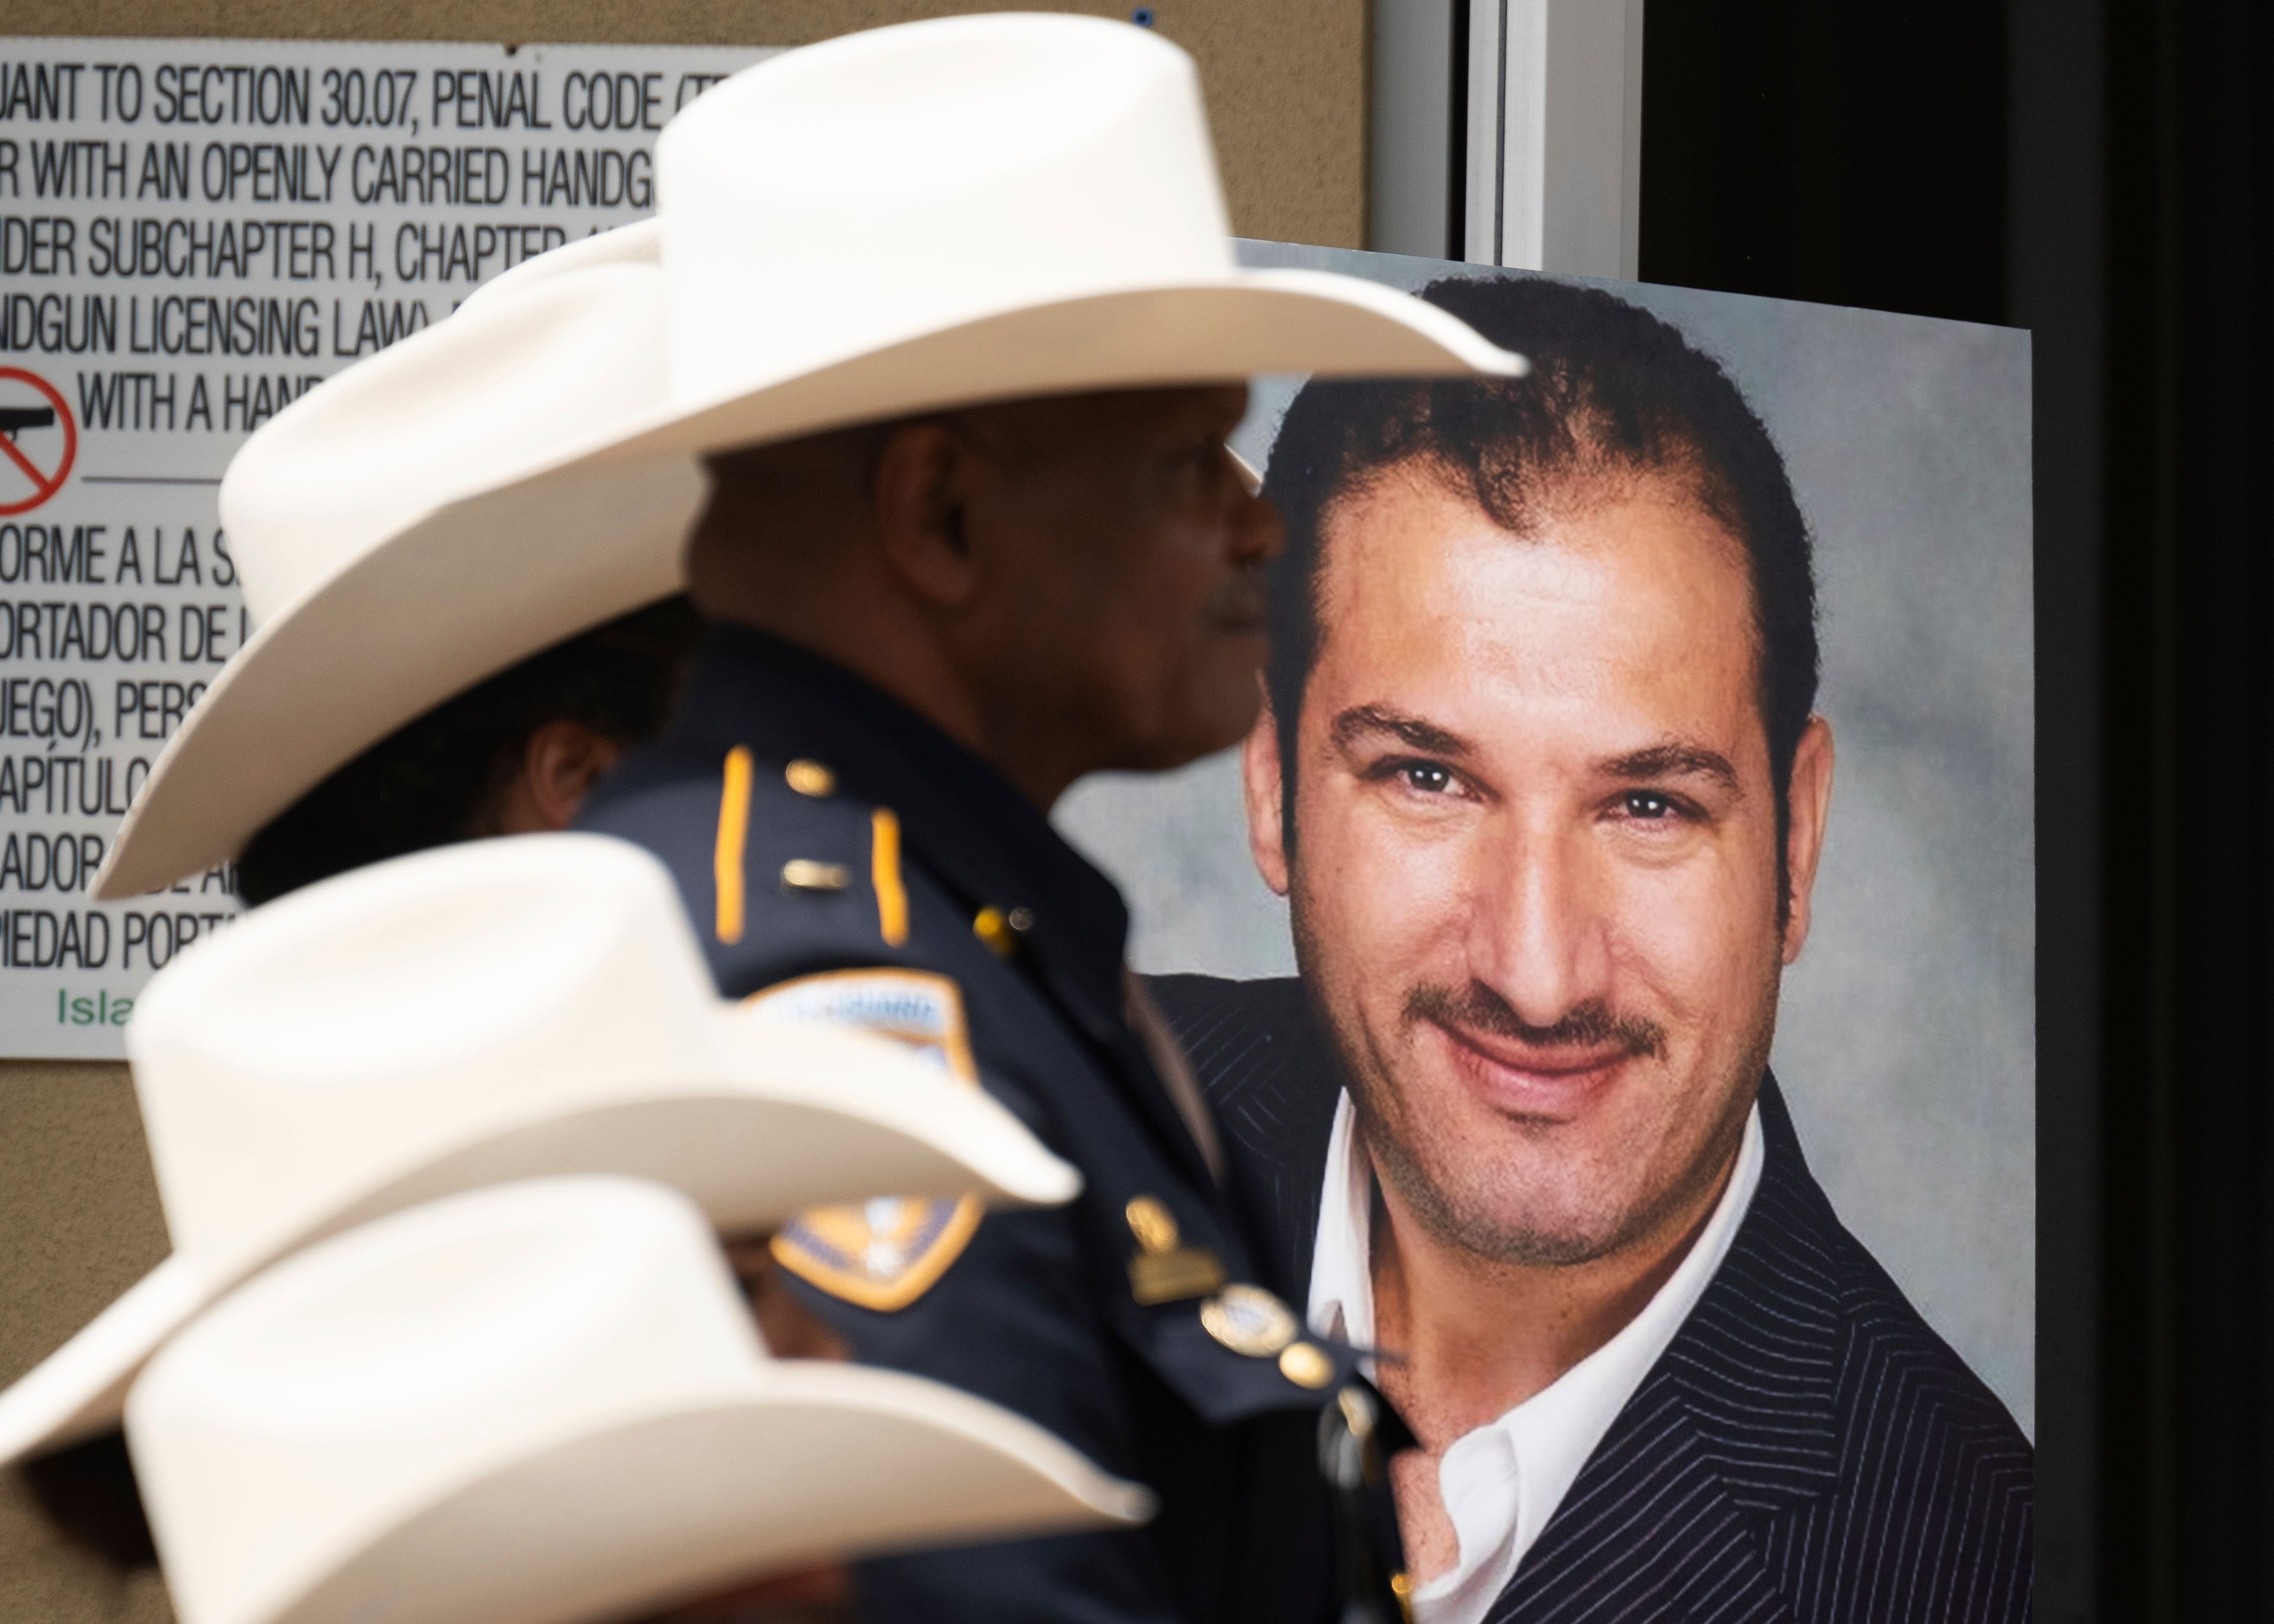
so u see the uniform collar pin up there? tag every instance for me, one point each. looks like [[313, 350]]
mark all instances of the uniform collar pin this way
[[809, 778], [1000, 929], [1307, 1365], [1152, 1224], [804, 874], [1164, 1269]]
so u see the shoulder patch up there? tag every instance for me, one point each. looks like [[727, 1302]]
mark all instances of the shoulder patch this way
[[886, 1253]]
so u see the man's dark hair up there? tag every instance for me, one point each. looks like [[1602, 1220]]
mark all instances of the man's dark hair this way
[[1614, 394], [436, 779]]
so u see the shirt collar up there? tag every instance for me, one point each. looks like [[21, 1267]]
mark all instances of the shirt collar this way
[[1341, 1284], [1502, 1482], [959, 815]]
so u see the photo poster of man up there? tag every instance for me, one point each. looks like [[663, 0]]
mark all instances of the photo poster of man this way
[[1458, 873]]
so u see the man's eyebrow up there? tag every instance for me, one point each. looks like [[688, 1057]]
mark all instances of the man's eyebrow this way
[[1360, 720], [1672, 761]]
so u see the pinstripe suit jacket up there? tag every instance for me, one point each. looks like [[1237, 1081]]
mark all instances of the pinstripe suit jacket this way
[[1806, 1451]]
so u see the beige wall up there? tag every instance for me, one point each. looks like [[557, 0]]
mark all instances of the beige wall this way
[[79, 1217], [78, 1224]]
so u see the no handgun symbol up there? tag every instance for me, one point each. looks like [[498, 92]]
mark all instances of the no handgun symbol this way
[[30, 404]]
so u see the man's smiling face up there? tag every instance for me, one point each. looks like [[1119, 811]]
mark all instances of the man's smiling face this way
[[1535, 871]]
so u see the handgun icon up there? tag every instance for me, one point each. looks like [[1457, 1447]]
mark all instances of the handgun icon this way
[[15, 419]]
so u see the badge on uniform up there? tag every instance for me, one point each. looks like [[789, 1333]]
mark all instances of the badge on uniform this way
[[883, 1253], [1164, 1269]]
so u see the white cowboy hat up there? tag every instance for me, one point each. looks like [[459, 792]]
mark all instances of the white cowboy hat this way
[[483, 1011], [918, 217], [544, 1403], [369, 606]]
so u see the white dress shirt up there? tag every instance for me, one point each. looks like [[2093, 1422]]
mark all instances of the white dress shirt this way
[[1501, 1482]]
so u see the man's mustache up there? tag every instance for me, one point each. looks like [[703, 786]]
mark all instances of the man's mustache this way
[[1591, 1025]]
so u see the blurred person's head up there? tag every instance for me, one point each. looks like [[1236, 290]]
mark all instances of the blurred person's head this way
[[1067, 584], [1541, 776], [513, 755]]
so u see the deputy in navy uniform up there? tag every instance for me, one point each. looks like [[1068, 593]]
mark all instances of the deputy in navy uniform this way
[[926, 632]]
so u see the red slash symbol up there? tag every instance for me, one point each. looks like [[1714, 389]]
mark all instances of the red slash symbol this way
[[16, 416]]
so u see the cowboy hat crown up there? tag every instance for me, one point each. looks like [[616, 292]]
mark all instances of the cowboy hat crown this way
[[925, 174], [541, 1402]]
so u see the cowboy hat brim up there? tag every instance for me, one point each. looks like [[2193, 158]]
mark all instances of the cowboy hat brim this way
[[1224, 328], [489, 579], [828, 1116], [803, 1462], [454, 600], [80, 1388]]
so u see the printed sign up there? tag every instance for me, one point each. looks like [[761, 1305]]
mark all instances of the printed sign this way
[[193, 233]]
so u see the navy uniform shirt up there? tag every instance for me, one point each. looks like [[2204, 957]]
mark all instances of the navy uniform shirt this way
[[843, 858]]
